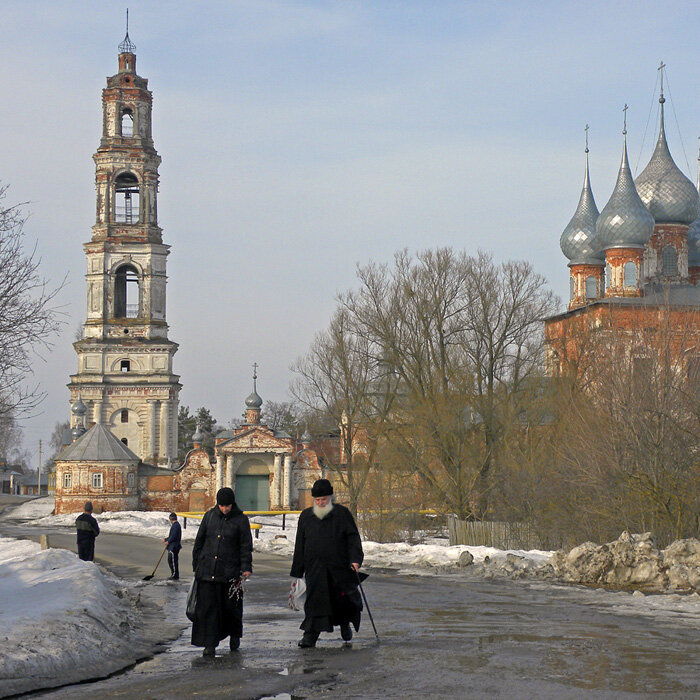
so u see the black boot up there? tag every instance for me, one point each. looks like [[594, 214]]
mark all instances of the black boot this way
[[346, 631], [234, 643], [308, 640], [209, 651]]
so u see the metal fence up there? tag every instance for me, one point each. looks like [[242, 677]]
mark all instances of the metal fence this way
[[491, 534]]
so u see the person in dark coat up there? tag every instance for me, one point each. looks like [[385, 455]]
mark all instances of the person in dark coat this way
[[88, 530], [174, 540], [222, 556], [328, 552]]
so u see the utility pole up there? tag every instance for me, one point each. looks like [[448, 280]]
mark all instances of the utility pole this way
[[38, 478]]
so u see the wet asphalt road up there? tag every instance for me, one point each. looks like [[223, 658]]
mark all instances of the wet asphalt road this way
[[447, 636]]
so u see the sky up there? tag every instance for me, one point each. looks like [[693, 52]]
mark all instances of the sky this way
[[300, 139]]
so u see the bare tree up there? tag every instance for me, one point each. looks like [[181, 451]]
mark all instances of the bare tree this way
[[333, 381], [463, 336], [28, 319]]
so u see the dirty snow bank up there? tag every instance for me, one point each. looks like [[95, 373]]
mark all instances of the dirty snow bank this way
[[60, 619], [36, 508]]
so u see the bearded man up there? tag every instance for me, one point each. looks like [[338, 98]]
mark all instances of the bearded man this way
[[328, 553]]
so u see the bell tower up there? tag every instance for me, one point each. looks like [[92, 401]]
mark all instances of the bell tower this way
[[125, 360]]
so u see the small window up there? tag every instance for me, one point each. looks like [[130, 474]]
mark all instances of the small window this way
[[127, 123], [669, 261], [97, 480], [125, 441], [125, 415], [608, 276], [126, 365], [67, 480], [591, 287], [131, 479], [630, 271], [572, 287]]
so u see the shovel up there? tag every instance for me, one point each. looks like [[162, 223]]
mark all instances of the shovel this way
[[148, 578]]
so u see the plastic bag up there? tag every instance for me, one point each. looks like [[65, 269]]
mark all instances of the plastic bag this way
[[191, 601], [297, 594]]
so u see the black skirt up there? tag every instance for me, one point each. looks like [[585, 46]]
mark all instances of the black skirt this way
[[344, 609], [216, 615]]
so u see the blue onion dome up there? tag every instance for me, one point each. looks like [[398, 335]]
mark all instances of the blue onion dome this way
[[668, 194], [79, 408], [694, 244], [624, 222], [578, 239], [306, 437], [198, 435], [253, 400]]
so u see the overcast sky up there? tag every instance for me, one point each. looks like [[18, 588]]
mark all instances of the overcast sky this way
[[301, 138]]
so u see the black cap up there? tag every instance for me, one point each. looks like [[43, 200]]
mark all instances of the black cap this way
[[321, 487], [88, 507], [225, 497]]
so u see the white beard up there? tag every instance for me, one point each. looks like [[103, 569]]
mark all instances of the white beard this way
[[321, 513]]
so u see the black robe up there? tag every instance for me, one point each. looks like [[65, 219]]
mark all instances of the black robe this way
[[222, 551], [323, 552]]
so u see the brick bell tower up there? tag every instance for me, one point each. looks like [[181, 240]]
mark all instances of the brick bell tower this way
[[125, 360]]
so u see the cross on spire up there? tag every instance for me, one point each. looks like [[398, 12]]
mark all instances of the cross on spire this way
[[624, 127], [127, 46], [586, 130], [255, 370], [661, 67]]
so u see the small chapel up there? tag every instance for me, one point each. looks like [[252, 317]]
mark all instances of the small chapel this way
[[635, 265], [124, 396]]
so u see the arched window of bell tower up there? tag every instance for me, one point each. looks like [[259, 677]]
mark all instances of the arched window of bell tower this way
[[630, 270], [669, 261], [126, 199], [126, 292], [127, 122]]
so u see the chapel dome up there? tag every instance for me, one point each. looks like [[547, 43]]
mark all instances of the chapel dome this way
[[624, 222], [578, 239], [667, 193]]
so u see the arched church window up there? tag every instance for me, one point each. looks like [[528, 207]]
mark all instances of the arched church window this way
[[125, 365], [572, 287], [125, 441], [630, 271], [669, 261], [124, 415], [608, 276], [126, 294], [591, 287], [127, 122], [131, 477], [126, 199]]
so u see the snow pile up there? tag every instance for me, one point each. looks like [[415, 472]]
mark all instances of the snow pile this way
[[52, 595], [36, 508], [632, 560]]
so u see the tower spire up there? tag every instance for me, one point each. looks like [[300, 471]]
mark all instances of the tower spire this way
[[127, 46]]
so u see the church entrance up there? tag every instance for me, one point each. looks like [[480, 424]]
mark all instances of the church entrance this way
[[253, 491]]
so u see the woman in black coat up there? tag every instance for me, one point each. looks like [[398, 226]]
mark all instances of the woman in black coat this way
[[222, 555], [328, 552]]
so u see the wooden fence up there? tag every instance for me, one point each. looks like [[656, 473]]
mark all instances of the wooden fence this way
[[491, 534]]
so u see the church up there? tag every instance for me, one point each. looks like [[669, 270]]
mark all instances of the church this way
[[124, 397], [634, 266]]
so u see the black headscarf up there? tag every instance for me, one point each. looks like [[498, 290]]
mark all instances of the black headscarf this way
[[225, 497]]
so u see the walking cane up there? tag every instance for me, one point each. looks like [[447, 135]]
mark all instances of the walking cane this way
[[148, 578], [364, 597]]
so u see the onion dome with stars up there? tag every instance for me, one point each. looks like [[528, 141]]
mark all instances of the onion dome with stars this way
[[578, 239], [624, 221], [669, 195]]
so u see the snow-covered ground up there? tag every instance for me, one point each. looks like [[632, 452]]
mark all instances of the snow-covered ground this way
[[59, 617], [274, 540]]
